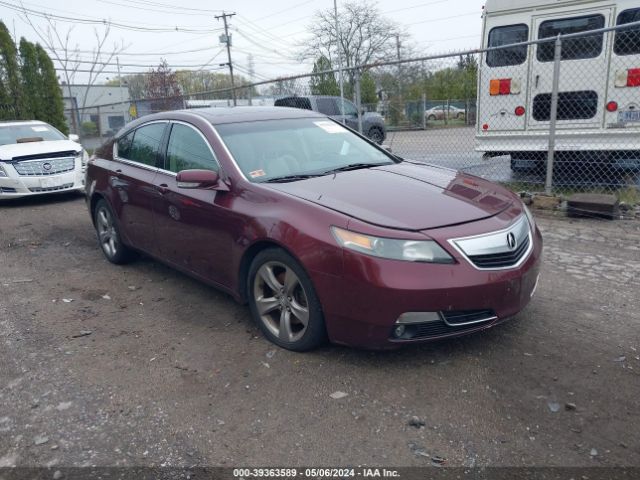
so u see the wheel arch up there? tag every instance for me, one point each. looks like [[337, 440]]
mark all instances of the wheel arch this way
[[251, 253]]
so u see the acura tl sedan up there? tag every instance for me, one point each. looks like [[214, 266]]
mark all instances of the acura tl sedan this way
[[323, 233]]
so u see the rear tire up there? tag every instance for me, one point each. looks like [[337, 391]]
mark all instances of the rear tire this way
[[283, 301], [431, 117], [376, 135], [109, 235]]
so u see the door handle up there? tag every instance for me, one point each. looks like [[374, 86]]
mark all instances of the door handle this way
[[163, 188]]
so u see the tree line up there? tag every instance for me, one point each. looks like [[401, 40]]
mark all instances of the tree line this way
[[29, 88]]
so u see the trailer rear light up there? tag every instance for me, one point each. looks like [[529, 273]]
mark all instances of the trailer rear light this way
[[485, 127], [612, 106], [504, 86], [627, 78], [633, 77], [519, 111]]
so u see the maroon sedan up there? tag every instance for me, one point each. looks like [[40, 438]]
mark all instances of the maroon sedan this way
[[323, 233]]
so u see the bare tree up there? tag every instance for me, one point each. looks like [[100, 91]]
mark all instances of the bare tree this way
[[68, 57], [365, 36]]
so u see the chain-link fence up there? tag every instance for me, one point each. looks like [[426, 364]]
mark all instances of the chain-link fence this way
[[560, 114]]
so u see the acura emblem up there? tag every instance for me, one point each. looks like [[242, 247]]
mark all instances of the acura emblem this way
[[46, 166], [511, 240]]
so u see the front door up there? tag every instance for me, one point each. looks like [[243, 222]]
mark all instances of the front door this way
[[583, 69], [191, 224]]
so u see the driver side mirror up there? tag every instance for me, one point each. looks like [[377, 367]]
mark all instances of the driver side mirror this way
[[74, 137], [201, 180]]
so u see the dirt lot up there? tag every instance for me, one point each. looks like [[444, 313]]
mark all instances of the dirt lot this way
[[140, 365]]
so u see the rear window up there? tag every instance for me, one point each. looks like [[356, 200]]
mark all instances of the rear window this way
[[579, 105], [294, 102], [628, 39], [587, 46], [507, 35]]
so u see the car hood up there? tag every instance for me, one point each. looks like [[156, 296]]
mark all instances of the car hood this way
[[404, 196], [10, 151]]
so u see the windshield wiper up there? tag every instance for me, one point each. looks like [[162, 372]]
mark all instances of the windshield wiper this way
[[292, 178], [354, 166]]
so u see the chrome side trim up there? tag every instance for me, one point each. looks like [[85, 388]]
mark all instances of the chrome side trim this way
[[488, 243], [482, 320]]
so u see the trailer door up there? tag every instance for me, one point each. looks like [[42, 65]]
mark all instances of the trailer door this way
[[583, 70]]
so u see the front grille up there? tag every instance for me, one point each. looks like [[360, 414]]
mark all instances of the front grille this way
[[51, 189], [48, 166], [453, 317], [502, 259]]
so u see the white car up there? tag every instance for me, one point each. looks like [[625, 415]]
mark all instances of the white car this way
[[36, 158]]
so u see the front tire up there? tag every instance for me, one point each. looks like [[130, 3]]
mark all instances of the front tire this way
[[283, 301], [109, 235]]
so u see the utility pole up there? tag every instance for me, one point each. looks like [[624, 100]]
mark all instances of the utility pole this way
[[227, 40], [338, 43], [251, 75]]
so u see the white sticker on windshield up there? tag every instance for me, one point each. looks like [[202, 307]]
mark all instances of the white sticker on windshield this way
[[40, 129], [345, 148], [329, 127]]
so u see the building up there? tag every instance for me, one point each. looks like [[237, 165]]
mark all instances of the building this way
[[96, 110]]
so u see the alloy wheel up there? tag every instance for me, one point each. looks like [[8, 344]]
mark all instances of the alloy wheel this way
[[107, 233], [281, 301]]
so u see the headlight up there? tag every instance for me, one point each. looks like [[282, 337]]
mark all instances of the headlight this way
[[394, 249], [532, 221]]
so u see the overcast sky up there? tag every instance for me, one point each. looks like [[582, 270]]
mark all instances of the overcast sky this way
[[269, 30]]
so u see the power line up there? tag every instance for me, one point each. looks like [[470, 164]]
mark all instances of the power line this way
[[165, 5], [149, 9], [148, 54], [97, 62], [259, 45], [93, 21]]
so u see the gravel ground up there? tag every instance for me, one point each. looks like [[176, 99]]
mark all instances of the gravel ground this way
[[141, 365]]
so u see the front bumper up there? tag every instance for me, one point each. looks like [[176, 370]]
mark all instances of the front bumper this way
[[15, 186], [362, 307]]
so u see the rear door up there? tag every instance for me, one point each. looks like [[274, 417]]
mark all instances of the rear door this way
[[583, 69], [132, 183], [503, 74]]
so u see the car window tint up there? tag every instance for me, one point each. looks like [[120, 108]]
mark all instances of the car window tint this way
[[628, 39], [507, 35], [187, 150], [295, 102], [327, 106], [587, 46], [349, 108], [124, 145], [146, 142]]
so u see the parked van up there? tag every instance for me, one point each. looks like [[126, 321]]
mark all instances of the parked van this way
[[598, 115]]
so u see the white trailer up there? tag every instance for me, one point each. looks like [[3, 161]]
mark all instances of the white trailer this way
[[599, 86]]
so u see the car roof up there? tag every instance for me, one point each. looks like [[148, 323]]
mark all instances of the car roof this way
[[222, 115]]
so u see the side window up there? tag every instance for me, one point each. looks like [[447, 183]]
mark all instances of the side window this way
[[327, 106], [628, 39], [146, 142], [349, 108], [507, 35], [124, 145], [188, 150], [576, 48]]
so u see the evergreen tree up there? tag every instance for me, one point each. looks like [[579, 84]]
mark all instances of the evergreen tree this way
[[32, 84], [53, 105], [368, 92], [323, 83], [10, 84]]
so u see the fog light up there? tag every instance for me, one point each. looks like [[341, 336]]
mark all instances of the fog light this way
[[399, 331]]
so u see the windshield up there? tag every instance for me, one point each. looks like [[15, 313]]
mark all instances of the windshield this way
[[12, 133], [270, 149]]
